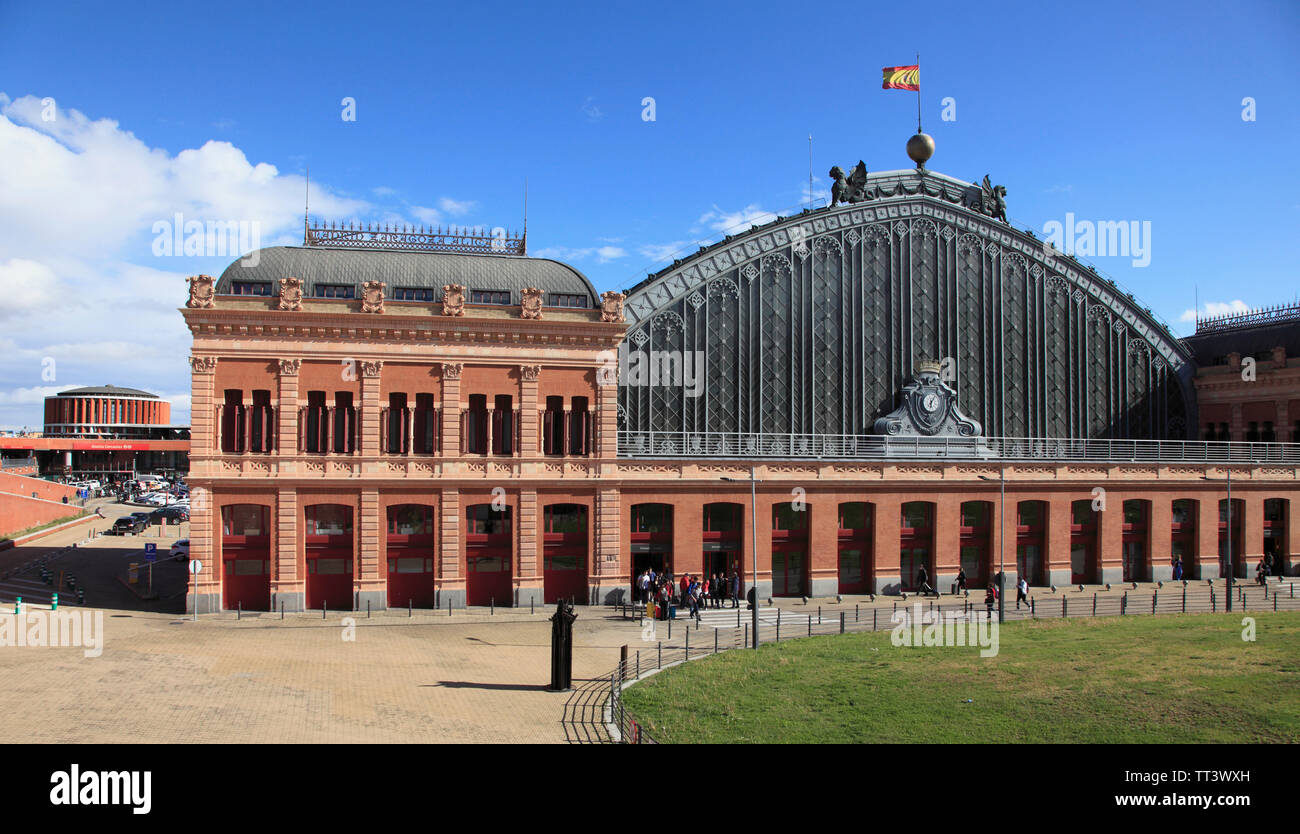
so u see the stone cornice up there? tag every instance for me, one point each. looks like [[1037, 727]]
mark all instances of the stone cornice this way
[[257, 320]]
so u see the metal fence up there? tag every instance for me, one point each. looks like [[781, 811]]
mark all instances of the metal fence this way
[[651, 444], [602, 697]]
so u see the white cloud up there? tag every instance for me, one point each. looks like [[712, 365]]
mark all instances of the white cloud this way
[[456, 207], [602, 254], [426, 215], [1216, 308], [664, 251], [80, 282], [592, 112], [734, 221]]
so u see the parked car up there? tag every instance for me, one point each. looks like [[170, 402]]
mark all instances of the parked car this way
[[181, 547], [128, 525], [172, 513], [143, 517]]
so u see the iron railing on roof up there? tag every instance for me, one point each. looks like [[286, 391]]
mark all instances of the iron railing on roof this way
[[415, 238], [1250, 318], [651, 444]]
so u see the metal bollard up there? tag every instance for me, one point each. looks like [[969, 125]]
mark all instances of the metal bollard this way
[[282, 610], [449, 607], [819, 615], [638, 663], [873, 619], [1033, 610], [1153, 601], [856, 618], [1123, 604], [1094, 604], [324, 608], [54, 604], [841, 622], [715, 641], [746, 636], [819, 620], [239, 610], [688, 644], [661, 654], [492, 606], [1184, 599], [530, 604], [670, 628], [1065, 607], [367, 609]]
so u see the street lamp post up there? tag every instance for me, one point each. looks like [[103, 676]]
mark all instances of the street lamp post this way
[[1228, 579], [1002, 540], [753, 536]]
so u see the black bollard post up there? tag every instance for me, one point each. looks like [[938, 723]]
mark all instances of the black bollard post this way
[[239, 610], [661, 654], [1153, 601], [873, 619], [530, 605], [492, 606], [1094, 604], [448, 606], [670, 629], [638, 663], [367, 609], [1123, 604], [819, 620], [688, 644], [746, 634], [410, 608], [324, 608], [1065, 607], [282, 610], [1033, 611], [841, 622], [1184, 599], [855, 612], [715, 641]]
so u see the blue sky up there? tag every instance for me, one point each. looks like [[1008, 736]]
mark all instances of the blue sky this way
[[1104, 110]]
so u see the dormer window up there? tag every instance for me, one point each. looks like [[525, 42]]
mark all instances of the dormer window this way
[[413, 294], [563, 299], [250, 288], [489, 297], [334, 291]]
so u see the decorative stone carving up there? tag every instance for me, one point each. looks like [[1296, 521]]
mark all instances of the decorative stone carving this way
[[371, 369], [453, 300], [850, 189], [987, 198], [291, 294], [611, 307], [202, 292], [929, 408], [451, 370], [203, 364], [530, 373], [372, 296], [531, 306], [289, 367]]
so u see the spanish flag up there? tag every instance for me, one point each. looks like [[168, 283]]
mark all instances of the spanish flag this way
[[902, 78]]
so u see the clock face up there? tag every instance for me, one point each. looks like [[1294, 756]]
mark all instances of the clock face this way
[[930, 403]]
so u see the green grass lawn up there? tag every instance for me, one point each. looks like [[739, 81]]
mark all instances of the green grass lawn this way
[[1123, 679]]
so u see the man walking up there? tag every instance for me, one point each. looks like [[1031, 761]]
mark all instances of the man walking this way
[[1022, 592]]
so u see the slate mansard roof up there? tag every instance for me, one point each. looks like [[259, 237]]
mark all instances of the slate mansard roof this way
[[396, 268]]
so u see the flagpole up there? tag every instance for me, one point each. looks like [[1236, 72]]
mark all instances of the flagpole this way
[[918, 92]]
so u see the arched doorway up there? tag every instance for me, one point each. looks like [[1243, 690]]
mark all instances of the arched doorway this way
[[916, 543], [1137, 565], [723, 536], [411, 556], [976, 542], [1182, 540], [246, 557], [651, 542], [790, 549], [488, 555], [854, 543], [1083, 542], [329, 556], [1031, 526], [564, 553]]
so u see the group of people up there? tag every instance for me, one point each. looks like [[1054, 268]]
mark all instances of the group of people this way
[[691, 592], [990, 595]]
